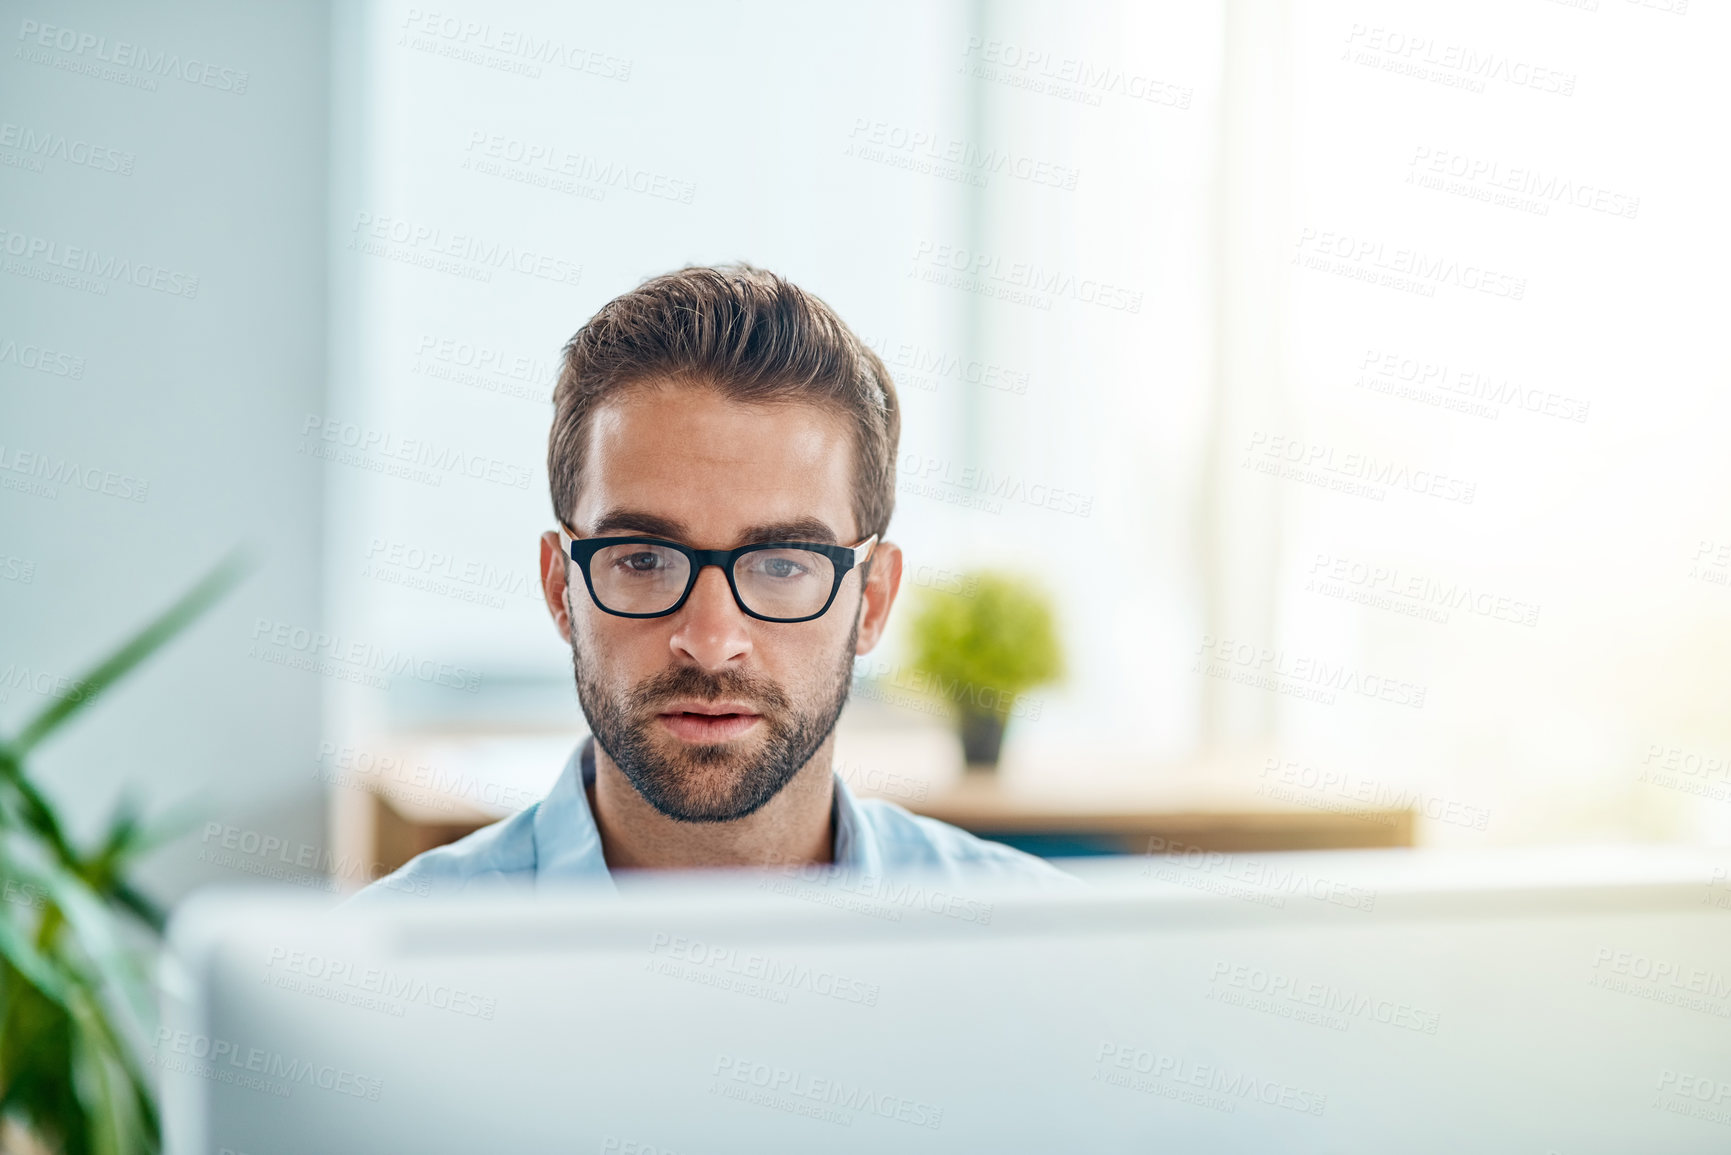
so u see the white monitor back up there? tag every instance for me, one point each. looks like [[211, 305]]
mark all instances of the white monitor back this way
[[1533, 1002]]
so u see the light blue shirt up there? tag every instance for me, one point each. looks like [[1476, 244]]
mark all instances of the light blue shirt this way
[[556, 841]]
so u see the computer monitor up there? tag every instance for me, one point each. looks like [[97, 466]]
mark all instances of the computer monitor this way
[[1538, 1002]]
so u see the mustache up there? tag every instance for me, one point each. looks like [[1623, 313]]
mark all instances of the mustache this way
[[691, 682]]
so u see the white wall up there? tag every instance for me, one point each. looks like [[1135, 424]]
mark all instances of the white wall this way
[[850, 148], [691, 134], [196, 394]]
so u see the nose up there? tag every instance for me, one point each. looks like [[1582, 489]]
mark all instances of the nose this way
[[710, 630]]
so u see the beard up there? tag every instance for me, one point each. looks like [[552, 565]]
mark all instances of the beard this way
[[712, 781]]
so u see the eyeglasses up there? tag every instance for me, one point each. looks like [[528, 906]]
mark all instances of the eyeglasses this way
[[650, 577]]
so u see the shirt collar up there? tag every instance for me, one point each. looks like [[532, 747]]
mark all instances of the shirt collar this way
[[856, 848], [568, 843]]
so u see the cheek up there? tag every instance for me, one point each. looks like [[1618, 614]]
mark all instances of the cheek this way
[[614, 651], [806, 663]]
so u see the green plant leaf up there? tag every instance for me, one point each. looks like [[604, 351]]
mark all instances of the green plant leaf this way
[[112, 1091], [143, 644], [24, 807], [142, 908], [109, 970], [75, 1007], [32, 965], [986, 643], [37, 1050]]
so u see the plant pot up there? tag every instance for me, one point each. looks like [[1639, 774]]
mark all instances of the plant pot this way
[[982, 738]]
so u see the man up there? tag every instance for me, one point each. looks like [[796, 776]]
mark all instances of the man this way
[[722, 469]]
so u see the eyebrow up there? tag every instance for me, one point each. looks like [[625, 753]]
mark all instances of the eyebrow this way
[[618, 521]]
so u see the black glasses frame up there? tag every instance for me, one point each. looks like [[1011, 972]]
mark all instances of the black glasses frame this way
[[845, 557]]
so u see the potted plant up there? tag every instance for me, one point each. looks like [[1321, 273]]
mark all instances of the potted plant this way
[[980, 644], [75, 938]]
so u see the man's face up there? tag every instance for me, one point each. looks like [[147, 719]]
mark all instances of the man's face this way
[[709, 712]]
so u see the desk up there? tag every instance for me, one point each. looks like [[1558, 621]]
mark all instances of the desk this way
[[1097, 821], [1130, 821]]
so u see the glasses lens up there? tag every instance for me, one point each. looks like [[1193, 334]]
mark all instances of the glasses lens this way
[[638, 578], [784, 583]]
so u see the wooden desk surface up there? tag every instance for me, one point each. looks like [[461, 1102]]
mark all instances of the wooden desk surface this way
[[1124, 820], [1210, 820]]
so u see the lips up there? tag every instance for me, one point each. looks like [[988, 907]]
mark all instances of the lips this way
[[714, 709], [693, 721]]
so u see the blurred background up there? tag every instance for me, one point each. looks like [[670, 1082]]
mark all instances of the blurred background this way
[[1345, 382]]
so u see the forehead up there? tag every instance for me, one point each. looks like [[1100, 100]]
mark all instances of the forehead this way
[[719, 467]]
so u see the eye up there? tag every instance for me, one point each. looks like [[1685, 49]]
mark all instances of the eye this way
[[783, 565]]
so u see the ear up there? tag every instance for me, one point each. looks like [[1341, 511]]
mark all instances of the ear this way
[[553, 567], [881, 585]]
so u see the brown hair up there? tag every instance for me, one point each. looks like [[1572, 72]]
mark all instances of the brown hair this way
[[751, 336]]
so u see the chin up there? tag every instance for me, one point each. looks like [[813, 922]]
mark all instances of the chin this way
[[676, 752], [699, 776], [704, 809]]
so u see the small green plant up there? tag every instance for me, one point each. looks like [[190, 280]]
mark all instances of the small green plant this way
[[76, 937], [981, 646]]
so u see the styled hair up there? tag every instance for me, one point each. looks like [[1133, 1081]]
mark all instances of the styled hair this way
[[750, 336]]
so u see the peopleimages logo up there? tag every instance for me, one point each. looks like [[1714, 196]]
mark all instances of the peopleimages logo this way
[[1241, 984], [1332, 790], [921, 467], [800, 1092], [1664, 975], [556, 161], [777, 973], [1493, 177], [353, 766], [361, 656], [1267, 883], [42, 360], [923, 148], [42, 682], [17, 569], [1022, 282], [44, 145], [877, 888], [955, 690], [1454, 65], [86, 262], [921, 366], [483, 367], [384, 449], [1390, 587], [224, 1061], [1163, 1074], [331, 975], [474, 581], [1461, 388], [460, 38], [1703, 1097], [1357, 474], [1400, 267], [272, 856], [50, 472], [1246, 663], [1070, 77], [429, 246], [125, 54]]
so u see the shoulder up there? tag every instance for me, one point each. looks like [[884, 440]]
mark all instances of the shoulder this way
[[501, 852], [908, 840]]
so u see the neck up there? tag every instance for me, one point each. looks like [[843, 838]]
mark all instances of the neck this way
[[793, 828]]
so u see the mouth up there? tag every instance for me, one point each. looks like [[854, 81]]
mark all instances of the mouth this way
[[708, 721]]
